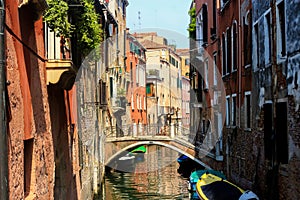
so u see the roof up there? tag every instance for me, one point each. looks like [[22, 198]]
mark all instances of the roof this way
[[183, 52], [148, 44]]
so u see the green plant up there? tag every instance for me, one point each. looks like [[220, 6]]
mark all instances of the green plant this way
[[57, 18], [85, 23], [121, 91], [192, 24], [88, 28]]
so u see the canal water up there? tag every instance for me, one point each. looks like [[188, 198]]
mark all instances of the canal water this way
[[154, 177]]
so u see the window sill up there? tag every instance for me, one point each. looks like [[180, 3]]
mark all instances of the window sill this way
[[247, 66], [225, 5], [281, 59], [225, 75]]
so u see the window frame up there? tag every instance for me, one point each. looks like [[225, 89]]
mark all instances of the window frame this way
[[228, 111], [247, 116]]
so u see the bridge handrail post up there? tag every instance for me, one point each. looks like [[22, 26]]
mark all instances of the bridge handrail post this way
[[172, 131]]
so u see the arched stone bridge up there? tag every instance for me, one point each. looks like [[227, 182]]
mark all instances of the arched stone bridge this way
[[115, 147]]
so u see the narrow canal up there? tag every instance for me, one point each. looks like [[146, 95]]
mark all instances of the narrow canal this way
[[155, 177]]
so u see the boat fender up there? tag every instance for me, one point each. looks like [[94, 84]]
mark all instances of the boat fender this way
[[248, 195]]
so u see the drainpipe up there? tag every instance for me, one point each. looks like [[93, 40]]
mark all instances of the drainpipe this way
[[239, 63], [3, 121]]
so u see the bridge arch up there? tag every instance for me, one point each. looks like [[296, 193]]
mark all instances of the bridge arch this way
[[114, 156]]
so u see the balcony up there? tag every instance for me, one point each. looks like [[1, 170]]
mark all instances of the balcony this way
[[60, 71]]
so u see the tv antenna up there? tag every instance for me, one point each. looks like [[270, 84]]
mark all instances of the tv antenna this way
[[139, 19]]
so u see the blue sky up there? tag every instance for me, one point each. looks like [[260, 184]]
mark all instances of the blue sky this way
[[169, 17]]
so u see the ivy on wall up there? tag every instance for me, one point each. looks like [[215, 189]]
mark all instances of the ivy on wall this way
[[85, 24], [88, 27], [192, 25]]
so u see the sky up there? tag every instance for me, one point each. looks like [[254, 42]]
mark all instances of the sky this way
[[167, 17]]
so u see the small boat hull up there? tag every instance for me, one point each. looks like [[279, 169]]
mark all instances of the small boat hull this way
[[126, 163], [182, 159], [195, 175], [210, 186], [140, 149]]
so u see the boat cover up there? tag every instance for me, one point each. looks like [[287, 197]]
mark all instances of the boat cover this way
[[213, 187]]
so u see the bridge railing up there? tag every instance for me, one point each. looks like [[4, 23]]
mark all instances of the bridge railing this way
[[136, 130]]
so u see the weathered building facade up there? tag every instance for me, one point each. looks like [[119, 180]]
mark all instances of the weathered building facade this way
[[163, 81], [275, 107], [257, 58], [50, 156], [185, 87], [136, 88], [30, 142]]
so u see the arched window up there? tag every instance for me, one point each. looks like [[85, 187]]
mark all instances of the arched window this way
[[205, 23], [199, 30], [224, 47], [228, 50], [234, 46]]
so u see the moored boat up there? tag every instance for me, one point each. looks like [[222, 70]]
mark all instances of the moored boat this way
[[126, 163], [182, 159], [195, 175], [139, 153], [140, 149], [210, 186], [186, 165]]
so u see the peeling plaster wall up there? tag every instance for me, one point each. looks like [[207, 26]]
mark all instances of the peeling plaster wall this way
[[287, 90], [31, 167], [259, 7], [293, 50]]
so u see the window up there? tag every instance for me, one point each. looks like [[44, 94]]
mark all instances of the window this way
[[137, 102], [132, 102], [150, 90], [131, 72], [187, 61], [206, 74], [282, 132], [145, 103], [223, 3], [233, 110], [214, 30], [268, 44], [140, 104], [141, 76], [234, 46], [247, 39], [276, 146], [187, 107], [53, 44], [29, 165], [268, 135], [281, 38], [224, 47], [111, 85], [247, 108], [227, 110], [228, 51], [215, 68], [205, 24], [137, 75], [256, 47], [102, 92], [199, 35]]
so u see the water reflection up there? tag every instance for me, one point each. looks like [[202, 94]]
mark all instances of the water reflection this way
[[155, 177]]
